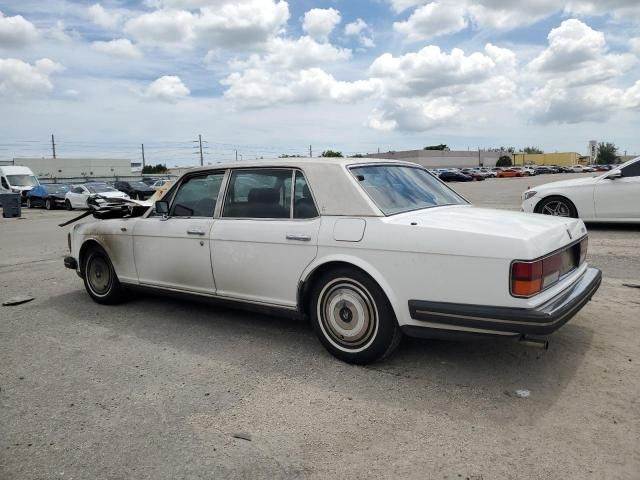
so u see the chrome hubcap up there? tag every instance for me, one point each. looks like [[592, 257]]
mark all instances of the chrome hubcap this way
[[556, 208], [99, 275], [347, 313]]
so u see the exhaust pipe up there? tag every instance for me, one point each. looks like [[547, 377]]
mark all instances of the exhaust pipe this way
[[534, 342]]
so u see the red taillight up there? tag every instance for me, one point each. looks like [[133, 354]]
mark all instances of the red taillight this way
[[530, 278], [526, 278]]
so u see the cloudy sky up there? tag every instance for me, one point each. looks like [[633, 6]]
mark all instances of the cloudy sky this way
[[266, 77]]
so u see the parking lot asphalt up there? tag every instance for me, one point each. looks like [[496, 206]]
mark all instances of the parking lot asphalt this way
[[166, 388]]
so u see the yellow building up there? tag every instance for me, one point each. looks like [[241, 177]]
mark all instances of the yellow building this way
[[562, 158]]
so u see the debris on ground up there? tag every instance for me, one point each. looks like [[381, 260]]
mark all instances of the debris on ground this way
[[522, 393], [19, 300], [631, 285], [242, 436]]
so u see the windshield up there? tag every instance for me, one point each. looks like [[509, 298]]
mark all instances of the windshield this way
[[100, 188], [141, 185], [22, 180], [396, 189]]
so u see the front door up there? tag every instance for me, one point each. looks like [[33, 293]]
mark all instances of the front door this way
[[266, 236], [175, 252], [619, 198]]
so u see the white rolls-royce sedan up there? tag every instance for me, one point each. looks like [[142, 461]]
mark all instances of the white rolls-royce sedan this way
[[611, 197], [366, 249]]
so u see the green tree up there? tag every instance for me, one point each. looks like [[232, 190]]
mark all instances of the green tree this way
[[357, 155], [504, 161], [607, 153], [331, 153], [159, 168], [442, 146], [532, 149]]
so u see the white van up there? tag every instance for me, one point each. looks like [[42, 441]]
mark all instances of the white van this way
[[15, 179]]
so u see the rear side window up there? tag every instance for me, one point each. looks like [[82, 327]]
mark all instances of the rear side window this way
[[259, 193], [197, 196], [632, 170], [303, 204]]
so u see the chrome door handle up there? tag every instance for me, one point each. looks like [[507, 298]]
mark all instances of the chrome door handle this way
[[195, 231], [300, 238]]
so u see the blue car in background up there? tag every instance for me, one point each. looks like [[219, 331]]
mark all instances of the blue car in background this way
[[47, 196]]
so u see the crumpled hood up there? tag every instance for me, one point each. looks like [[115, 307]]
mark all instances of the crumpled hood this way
[[475, 231]]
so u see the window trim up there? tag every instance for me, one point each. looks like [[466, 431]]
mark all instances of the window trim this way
[[230, 172], [171, 194]]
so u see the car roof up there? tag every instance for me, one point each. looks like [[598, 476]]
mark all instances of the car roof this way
[[334, 189]]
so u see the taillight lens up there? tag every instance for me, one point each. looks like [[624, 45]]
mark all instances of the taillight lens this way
[[530, 278]]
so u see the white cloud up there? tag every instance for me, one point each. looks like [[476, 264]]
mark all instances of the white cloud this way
[[616, 8], [318, 23], [162, 26], [578, 54], [226, 24], [413, 114], [399, 6], [361, 31], [432, 20], [16, 31], [21, 79], [121, 47], [102, 17], [634, 43], [168, 88], [258, 88]]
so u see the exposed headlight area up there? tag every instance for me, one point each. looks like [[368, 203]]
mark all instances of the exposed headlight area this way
[[531, 278], [528, 194]]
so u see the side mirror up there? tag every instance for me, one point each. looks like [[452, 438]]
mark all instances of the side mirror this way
[[614, 175], [162, 207]]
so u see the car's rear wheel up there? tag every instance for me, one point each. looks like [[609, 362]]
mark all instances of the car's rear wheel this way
[[48, 204], [67, 205], [558, 207], [352, 316], [100, 278], [29, 204]]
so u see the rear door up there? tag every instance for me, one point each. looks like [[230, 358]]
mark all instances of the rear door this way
[[175, 251], [266, 236]]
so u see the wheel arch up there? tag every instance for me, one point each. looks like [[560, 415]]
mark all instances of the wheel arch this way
[[86, 245], [319, 267], [536, 209]]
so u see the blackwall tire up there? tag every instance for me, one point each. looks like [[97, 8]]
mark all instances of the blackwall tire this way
[[352, 317], [100, 279], [48, 204], [557, 206], [67, 205]]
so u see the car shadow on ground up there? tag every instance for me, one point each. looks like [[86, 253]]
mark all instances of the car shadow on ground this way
[[485, 369]]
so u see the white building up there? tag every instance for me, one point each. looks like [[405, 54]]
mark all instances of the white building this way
[[52, 168], [445, 158]]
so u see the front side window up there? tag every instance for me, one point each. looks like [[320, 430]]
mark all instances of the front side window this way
[[5, 184], [197, 196], [259, 193], [397, 188]]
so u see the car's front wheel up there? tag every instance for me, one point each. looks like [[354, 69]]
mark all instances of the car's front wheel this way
[[29, 204], [352, 316], [558, 207], [48, 204], [100, 278], [67, 205]]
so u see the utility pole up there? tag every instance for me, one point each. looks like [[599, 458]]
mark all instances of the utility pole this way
[[236, 155], [142, 144], [201, 156], [53, 145], [310, 152]]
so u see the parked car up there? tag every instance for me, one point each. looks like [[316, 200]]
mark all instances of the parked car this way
[[489, 172], [603, 168], [48, 196], [78, 195], [509, 172], [454, 176], [589, 168], [17, 179], [137, 190], [368, 251], [474, 174], [611, 197], [544, 169]]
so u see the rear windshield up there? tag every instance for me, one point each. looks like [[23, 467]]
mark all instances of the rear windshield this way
[[397, 188]]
